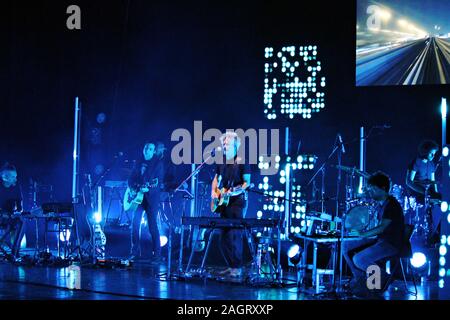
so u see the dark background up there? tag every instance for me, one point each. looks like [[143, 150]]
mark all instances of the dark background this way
[[154, 66]]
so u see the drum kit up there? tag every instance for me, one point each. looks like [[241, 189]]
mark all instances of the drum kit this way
[[361, 211]]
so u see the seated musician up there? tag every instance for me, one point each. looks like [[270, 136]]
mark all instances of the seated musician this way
[[381, 242], [147, 171], [10, 206], [231, 174], [421, 180], [421, 171]]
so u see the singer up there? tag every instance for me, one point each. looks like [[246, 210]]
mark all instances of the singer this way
[[233, 174]]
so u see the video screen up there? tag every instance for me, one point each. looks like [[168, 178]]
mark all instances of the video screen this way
[[402, 42]]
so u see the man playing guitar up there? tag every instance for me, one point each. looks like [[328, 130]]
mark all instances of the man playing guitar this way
[[231, 175], [143, 196]]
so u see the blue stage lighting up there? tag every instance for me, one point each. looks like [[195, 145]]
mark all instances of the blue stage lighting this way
[[64, 235], [97, 217], [293, 250], [163, 240], [445, 152], [293, 74], [444, 206], [444, 108], [418, 260], [442, 250]]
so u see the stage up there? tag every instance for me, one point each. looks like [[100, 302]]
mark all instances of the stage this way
[[263, 152], [142, 282]]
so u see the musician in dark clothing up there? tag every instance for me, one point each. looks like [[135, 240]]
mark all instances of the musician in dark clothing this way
[[233, 173], [147, 171], [421, 182], [383, 241], [421, 171], [10, 206]]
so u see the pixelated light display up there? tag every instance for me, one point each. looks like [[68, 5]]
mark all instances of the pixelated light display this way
[[275, 188], [293, 84]]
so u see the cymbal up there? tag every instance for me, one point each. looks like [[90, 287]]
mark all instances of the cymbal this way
[[353, 170]]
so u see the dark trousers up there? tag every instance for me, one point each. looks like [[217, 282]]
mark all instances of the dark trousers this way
[[13, 233], [360, 254], [150, 207], [231, 240]]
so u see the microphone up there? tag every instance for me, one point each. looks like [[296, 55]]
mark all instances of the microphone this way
[[217, 149], [341, 143]]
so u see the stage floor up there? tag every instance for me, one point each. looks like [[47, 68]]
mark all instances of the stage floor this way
[[142, 281]]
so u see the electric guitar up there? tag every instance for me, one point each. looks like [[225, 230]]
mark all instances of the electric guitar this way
[[224, 195], [132, 198]]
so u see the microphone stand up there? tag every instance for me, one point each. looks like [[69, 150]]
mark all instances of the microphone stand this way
[[322, 169], [337, 146], [341, 238], [179, 188], [278, 276], [108, 169]]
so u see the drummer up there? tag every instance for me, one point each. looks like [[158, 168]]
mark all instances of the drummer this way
[[421, 171], [421, 181], [380, 242]]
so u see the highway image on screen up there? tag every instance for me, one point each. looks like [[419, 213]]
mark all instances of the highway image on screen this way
[[403, 42]]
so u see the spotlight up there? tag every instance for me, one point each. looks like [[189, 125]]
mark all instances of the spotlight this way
[[64, 235], [97, 217], [445, 152], [290, 254], [418, 260], [163, 240], [424, 262], [444, 206]]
